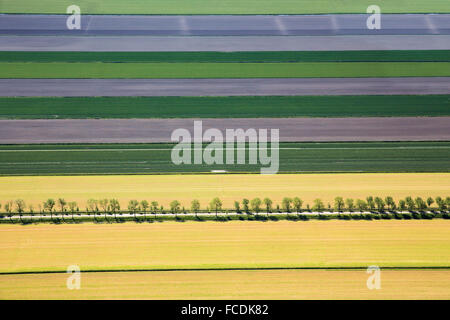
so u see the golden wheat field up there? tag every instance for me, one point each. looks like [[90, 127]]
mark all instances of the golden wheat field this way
[[226, 284], [165, 188], [235, 244]]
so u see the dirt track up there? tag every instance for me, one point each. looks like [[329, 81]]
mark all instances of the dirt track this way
[[160, 130], [221, 87]]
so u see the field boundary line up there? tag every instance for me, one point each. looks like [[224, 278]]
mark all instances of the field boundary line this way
[[226, 269]]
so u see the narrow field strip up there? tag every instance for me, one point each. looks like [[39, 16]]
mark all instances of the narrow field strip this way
[[156, 159], [236, 57], [169, 146], [222, 70], [265, 284], [223, 107], [233, 245], [221, 269], [54, 131], [226, 7], [196, 149], [229, 187]]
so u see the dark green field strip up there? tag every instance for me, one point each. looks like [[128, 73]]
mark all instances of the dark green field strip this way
[[224, 107], [258, 56], [156, 158]]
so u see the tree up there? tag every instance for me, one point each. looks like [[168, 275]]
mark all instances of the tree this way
[[62, 204], [256, 205], [237, 207], [370, 203], [379, 203], [245, 203], [195, 206], [430, 201], [361, 205], [155, 206], [286, 204], [20, 206], [92, 205], [103, 203], [350, 204], [390, 202], [114, 206], [72, 206], [144, 206], [216, 205], [297, 203], [420, 204], [443, 204], [175, 207], [410, 203], [318, 205], [133, 206], [402, 205], [339, 204], [9, 209], [268, 203], [48, 205]]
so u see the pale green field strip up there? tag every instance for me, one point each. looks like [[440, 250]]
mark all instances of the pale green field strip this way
[[224, 70], [223, 6]]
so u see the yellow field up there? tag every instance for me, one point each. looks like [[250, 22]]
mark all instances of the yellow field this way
[[165, 188], [172, 245], [284, 284]]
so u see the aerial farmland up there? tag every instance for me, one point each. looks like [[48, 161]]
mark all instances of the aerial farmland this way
[[225, 149]]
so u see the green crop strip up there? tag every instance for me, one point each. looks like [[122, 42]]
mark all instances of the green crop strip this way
[[223, 6], [156, 158], [224, 70], [224, 107]]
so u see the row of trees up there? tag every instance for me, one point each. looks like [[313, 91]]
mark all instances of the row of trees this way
[[256, 205]]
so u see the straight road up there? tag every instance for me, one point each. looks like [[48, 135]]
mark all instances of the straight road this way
[[160, 130], [225, 25], [222, 87]]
